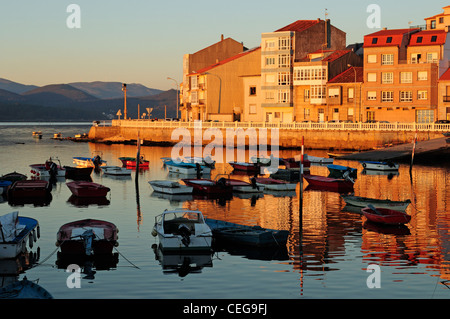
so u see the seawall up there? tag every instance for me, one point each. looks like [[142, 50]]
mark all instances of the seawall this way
[[332, 139]]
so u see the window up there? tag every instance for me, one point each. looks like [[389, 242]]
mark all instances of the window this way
[[252, 90], [270, 96], [370, 116], [422, 95], [277, 115], [284, 78], [387, 59], [333, 92], [372, 58], [419, 39], [252, 109], [387, 78], [270, 61], [194, 83], [441, 20], [318, 92], [432, 57], [350, 95], [422, 75], [425, 116], [284, 43], [415, 58], [371, 77], [194, 97], [433, 24], [270, 78], [270, 44], [405, 77], [374, 40], [389, 40], [387, 96], [284, 61], [371, 95], [434, 38], [306, 95], [405, 96], [306, 113], [283, 96]]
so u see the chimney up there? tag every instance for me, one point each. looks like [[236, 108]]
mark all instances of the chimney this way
[[221, 37]]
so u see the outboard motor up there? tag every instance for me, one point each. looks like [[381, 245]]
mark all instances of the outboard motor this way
[[185, 233], [253, 182], [97, 162], [88, 237]]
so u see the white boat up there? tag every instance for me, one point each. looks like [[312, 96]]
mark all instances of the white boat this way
[[379, 203], [116, 170], [95, 161], [243, 186], [186, 168], [275, 184], [380, 166], [48, 169], [170, 187], [203, 161], [182, 230], [315, 159], [16, 233]]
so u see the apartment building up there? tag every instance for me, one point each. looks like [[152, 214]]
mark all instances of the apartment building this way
[[444, 97], [401, 72], [311, 75], [439, 21], [279, 50]]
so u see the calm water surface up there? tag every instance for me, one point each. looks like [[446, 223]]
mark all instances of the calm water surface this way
[[326, 257]]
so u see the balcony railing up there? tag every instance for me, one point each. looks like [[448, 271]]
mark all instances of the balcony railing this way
[[320, 126]]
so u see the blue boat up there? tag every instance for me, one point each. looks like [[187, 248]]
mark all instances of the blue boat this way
[[231, 233], [4, 185], [15, 233], [338, 171], [186, 168], [24, 289], [95, 161]]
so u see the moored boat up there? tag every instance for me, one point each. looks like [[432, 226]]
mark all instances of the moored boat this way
[[327, 183], [95, 161], [317, 159], [376, 165], [16, 234], [186, 168], [208, 186], [87, 189], [182, 230], [116, 170], [227, 232], [294, 162], [24, 289], [48, 169], [131, 162], [385, 216], [78, 172], [4, 186], [29, 189], [382, 203], [87, 236], [170, 187], [338, 171], [14, 176], [275, 184], [243, 186], [252, 168]]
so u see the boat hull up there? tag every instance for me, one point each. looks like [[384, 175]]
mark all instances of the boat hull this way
[[40, 170], [11, 249], [338, 171], [116, 171], [275, 185], [246, 167], [206, 186], [87, 189], [86, 162], [29, 189], [78, 172], [380, 166], [172, 188], [131, 162], [364, 201], [386, 216], [326, 183]]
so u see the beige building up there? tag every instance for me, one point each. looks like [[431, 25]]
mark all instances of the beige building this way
[[439, 21], [444, 97]]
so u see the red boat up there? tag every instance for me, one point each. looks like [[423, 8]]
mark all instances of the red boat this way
[[207, 186], [252, 168], [131, 162], [292, 163], [87, 189], [29, 188], [87, 236], [327, 183], [386, 216]]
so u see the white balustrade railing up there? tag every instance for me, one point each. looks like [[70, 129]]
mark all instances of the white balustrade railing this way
[[327, 126]]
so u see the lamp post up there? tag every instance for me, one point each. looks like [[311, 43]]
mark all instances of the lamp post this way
[[177, 93], [124, 89], [354, 94], [220, 88]]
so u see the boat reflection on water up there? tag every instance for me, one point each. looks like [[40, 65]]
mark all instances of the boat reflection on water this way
[[387, 229], [88, 201], [182, 264], [278, 253], [389, 174], [89, 265], [173, 198]]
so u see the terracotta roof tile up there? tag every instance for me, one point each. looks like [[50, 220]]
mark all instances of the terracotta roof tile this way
[[348, 76], [445, 76], [429, 37], [299, 25], [384, 38]]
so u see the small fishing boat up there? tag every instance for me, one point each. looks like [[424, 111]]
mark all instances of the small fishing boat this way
[[207, 186], [318, 160], [131, 162], [243, 186], [95, 161], [251, 168], [16, 233], [263, 161], [382, 166], [275, 184], [186, 168], [48, 169], [327, 183], [116, 170], [183, 230], [381, 203], [78, 172], [294, 162], [14, 176], [37, 134], [24, 289], [4, 186], [203, 161], [29, 189], [170, 187], [385, 216], [87, 189], [288, 174], [338, 171], [227, 232], [87, 236]]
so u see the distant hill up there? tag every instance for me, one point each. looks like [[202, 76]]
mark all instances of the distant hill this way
[[15, 87], [57, 95], [112, 90], [8, 96]]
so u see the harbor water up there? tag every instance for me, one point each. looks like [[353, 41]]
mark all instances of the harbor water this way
[[331, 252]]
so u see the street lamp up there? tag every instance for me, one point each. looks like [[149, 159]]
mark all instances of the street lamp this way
[[177, 93], [354, 94]]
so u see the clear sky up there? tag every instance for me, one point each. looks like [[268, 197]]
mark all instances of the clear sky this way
[[143, 41]]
